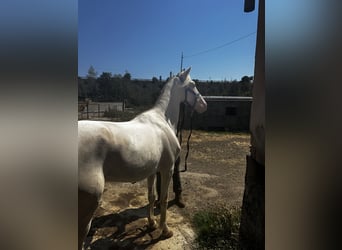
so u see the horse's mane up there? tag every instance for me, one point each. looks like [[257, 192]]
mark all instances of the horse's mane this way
[[163, 98]]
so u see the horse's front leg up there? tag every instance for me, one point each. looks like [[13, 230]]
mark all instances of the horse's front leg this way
[[151, 199], [165, 181]]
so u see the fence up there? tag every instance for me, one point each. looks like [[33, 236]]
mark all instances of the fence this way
[[89, 110]]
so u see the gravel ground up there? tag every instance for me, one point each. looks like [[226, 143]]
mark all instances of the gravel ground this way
[[216, 171]]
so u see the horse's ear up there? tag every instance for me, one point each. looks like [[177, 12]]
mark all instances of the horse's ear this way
[[184, 74]]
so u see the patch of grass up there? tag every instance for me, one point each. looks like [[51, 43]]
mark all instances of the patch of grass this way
[[217, 227]]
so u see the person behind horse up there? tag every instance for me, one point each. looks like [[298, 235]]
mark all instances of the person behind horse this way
[[177, 185]]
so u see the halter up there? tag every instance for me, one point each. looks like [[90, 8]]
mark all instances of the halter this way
[[197, 95]]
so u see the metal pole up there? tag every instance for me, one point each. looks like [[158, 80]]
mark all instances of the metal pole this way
[[181, 68]]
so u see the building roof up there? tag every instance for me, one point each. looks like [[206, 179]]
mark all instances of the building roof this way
[[228, 98]]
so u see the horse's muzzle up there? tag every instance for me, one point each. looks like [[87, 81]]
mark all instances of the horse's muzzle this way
[[201, 105]]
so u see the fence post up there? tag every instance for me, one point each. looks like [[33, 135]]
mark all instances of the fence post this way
[[87, 110], [98, 110]]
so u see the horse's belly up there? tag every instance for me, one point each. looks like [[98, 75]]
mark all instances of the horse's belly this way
[[129, 173], [119, 168]]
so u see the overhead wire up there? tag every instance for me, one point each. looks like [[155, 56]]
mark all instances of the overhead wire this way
[[221, 46]]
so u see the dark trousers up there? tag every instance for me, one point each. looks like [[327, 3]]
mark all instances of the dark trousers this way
[[177, 186]]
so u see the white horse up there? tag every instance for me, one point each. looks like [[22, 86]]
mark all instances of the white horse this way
[[132, 151]]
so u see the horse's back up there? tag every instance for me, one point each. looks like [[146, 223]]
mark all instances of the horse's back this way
[[122, 151], [125, 151]]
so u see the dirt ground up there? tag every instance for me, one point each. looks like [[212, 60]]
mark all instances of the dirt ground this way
[[216, 171]]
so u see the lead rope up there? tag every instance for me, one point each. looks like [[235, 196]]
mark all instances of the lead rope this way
[[188, 145], [179, 132], [180, 123]]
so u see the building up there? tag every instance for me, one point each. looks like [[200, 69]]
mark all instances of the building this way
[[230, 113]]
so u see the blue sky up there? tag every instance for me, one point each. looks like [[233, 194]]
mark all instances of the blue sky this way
[[146, 38]]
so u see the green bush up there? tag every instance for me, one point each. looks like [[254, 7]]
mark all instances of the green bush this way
[[217, 228]]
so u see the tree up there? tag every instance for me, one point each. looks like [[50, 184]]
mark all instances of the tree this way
[[245, 86], [91, 72], [127, 76], [81, 88], [117, 76], [104, 86], [106, 75], [246, 79]]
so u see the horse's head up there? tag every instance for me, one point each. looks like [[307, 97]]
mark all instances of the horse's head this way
[[190, 94]]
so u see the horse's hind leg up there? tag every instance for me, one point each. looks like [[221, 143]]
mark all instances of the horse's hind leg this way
[[165, 181], [151, 199], [87, 204]]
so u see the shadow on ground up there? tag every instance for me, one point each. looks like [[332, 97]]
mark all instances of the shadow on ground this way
[[127, 229]]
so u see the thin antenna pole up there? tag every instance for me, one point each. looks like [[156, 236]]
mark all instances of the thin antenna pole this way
[[181, 68]]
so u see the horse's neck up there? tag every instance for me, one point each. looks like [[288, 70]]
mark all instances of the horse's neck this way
[[168, 105]]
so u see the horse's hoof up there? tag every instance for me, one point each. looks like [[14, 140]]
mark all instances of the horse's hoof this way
[[153, 224], [167, 234]]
